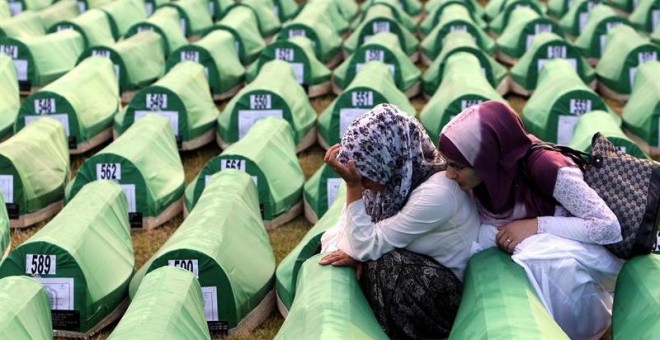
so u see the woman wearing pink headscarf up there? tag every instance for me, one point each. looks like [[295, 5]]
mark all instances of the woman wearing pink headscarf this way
[[536, 206]]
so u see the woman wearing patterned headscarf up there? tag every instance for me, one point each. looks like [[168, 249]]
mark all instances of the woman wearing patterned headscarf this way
[[412, 225], [536, 205]]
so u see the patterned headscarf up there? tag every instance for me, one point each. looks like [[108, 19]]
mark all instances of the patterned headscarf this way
[[391, 148]]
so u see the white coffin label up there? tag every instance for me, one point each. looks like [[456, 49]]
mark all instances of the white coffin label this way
[[59, 290], [7, 188], [247, 118], [210, 295], [109, 171], [40, 264], [565, 128], [332, 186]]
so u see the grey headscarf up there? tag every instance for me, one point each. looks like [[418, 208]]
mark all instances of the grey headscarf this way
[[391, 148]]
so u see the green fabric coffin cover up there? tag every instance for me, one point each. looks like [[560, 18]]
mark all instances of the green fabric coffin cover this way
[[123, 14], [381, 18], [385, 48], [626, 6], [473, 5], [455, 94], [217, 53], [10, 100], [166, 22], [455, 17], [84, 101], [26, 309], [546, 47], [433, 17], [5, 237], [329, 305], [40, 60], [223, 242], [320, 191], [332, 10], [145, 161], [593, 38], [411, 7], [286, 9], [218, 8], [636, 300], [558, 8], [609, 125], [268, 154], [501, 21], [182, 96], [86, 5], [315, 24], [269, 23], [34, 164], [84, 255], [559, 100], [347, 8], [299, 53], [59, 11], [373, 85], [457, 42], [641, 115], [194, 15], [395, 11], [495, 7], [5, 13], [138, 60], [519, 34], [575, 20], [646, 16], [168, 305], [150, 6], [275, 92], [241, 22], [93, 25], [625, 51], [288, 269], [27, 24], [498, 301]]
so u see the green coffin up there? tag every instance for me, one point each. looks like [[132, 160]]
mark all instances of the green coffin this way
[[286, 9], [332, 10], [636, 300], [83, 256], [348, 9], [320, 191], [329, 305], [299, 53], [169, 303], [457, 42], [145, 161], [646, 16], [19, 6], [410, 7], [455, 17], [433, 17], [519, 34], [495, 7], [219, 8], [609, 125], [166, 22], [269, 22], [137, 60], [559, 100], [93, 25], [195, 16], [455, 94], [501, 21], [59, 11], [641, 115], [84, 101], [34, 167], [316, 25], [217, 53], [123, 14], [625, 6], [265, 97], [10, 100], [593, 38], [85, 5], [575, 20], [473, 5], [558, 8], [42, 59], [379, 18], [28, 314], [384, 48], [546, 47], [224, 243], [267, 153], [373, 85], [241, 22], [25, 25], [395, 8], [625, 51], [183, 97], [498, 301]]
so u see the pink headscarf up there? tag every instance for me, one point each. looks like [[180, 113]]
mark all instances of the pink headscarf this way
[[490, 138]]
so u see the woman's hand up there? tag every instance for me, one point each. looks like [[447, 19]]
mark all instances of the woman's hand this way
[[515, 232], [341, 259], [348, 172]]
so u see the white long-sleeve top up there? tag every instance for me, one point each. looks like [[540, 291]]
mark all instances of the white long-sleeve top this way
[[439, 220]]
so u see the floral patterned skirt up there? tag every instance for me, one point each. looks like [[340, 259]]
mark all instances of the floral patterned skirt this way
[[412, 295]]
